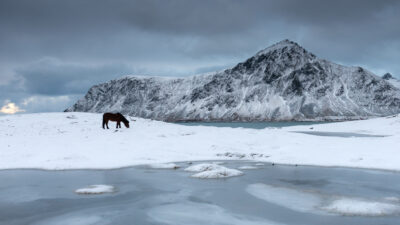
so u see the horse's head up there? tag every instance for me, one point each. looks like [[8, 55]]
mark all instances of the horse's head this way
[[126, 122]]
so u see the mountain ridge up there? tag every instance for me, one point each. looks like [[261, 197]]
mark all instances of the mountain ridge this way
[[279, 83]]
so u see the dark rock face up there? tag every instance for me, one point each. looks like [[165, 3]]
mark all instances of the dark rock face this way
[[282, 82], [387, 76]]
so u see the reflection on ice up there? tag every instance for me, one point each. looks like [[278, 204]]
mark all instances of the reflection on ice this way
[[200, 214]]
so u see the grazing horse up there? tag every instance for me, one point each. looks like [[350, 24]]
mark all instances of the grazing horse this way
[[116, 117]]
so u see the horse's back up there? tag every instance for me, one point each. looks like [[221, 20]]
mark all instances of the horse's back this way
[[108, 115]]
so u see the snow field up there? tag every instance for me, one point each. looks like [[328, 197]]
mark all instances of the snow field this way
[[58, 141]]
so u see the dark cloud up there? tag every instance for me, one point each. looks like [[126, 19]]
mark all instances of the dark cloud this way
[[60, 48]]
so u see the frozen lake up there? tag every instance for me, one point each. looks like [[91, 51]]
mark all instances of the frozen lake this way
[[338, 134], [267, 195]]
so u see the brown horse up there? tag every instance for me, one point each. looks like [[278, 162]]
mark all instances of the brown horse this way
[[116, 117]]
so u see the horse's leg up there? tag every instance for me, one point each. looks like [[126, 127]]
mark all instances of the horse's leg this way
[[107, 124], [104, 122], [118, 124]]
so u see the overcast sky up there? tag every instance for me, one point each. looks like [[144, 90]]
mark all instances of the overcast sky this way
[[52, 51]]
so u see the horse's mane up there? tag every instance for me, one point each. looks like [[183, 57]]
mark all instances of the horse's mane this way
[[123, 118]]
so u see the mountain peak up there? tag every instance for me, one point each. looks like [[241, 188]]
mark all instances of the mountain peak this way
[[288, 44], [284, 54], [387, 76]]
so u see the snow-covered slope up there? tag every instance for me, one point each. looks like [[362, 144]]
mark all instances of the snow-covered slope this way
[[282, 82], [76, 140]]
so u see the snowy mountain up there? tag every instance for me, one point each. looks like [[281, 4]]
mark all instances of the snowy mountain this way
[[281, 82], [395, 82]]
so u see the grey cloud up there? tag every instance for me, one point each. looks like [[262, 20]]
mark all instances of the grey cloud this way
[[51, 77], [94, 41]]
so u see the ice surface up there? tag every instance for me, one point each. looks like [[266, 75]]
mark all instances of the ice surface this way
[[359, 207], [318, 203], [293, 199], [75, 220], [96, 189], [199, 214]]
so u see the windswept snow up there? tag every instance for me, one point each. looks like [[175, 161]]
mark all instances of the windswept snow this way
[[55, 141], [96, 189]]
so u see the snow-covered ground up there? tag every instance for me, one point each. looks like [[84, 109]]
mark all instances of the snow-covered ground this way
[[76, 140]]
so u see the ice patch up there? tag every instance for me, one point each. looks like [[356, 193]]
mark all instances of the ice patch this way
[[260, 164], [222, 172], [200, 214], [76, 220], [314, 202], [248, 168], [358, 207], [293, 199], [164, 166], [96, 189]]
